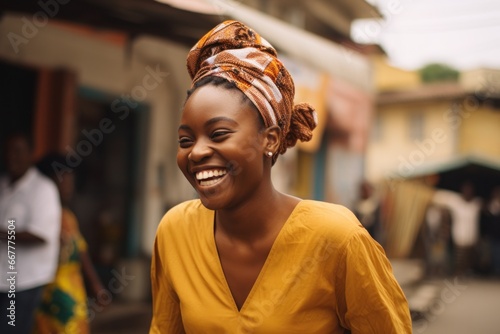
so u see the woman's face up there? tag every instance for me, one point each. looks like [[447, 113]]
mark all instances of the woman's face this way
[[221, 150]]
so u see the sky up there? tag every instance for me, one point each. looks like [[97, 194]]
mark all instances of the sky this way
[[464, 34]]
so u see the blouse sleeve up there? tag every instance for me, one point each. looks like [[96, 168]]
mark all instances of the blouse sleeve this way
[[372, 300], [166, 309]]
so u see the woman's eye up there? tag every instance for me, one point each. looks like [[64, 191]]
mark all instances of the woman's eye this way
[[219, 134], [185, 142]]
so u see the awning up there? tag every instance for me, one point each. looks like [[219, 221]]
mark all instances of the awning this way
[[483, 171], [185, 21], [313, 50]]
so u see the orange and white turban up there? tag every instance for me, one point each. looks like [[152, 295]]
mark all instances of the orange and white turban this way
[[237, 53]]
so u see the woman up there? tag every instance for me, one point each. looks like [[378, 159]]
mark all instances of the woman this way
[[64, 303], [245, 258]]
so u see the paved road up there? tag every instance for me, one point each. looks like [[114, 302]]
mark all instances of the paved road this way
[[463, 307], [123, 318]]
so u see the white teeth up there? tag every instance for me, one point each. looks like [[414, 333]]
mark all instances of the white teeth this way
[[209, 182], [209, 174]]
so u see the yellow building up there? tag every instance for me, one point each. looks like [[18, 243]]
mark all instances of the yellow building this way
[[419, 126], [441, 133]]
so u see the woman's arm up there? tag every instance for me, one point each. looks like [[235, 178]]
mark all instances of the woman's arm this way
[[374, 301], [90, 274]]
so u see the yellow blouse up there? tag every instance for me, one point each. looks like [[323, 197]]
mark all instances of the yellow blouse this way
[[324, 274]]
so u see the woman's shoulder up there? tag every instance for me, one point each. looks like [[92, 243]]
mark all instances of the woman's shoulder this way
[[184, 213], [191, 207], [328, 218], [327, 211]]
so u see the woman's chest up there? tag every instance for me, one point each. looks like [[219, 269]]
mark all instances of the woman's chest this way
[[241, 266], [288, 291]]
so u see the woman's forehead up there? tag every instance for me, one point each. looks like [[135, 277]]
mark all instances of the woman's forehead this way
[[210, 99], [211, 102]]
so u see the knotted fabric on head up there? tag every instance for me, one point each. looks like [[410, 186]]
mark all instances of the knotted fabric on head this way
[[238, 54]]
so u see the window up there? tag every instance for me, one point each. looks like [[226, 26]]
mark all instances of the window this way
[[377, 128], [417, 125]]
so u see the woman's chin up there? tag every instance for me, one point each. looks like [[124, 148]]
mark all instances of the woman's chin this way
[[211, 203]]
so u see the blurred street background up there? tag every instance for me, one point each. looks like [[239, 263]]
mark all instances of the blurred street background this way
[[408, 101]]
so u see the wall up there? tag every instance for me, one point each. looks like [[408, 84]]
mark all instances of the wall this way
[[395, 153], [119, 71], [52, 46], [388, 78], [164, 184], [480, 133]]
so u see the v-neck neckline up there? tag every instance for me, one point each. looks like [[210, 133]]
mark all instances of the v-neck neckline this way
[[256, 284]]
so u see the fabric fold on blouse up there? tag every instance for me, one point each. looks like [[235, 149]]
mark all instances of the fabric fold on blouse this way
[[324, 274]]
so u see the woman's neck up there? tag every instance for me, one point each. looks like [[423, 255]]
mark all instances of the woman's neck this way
[[256, 219]]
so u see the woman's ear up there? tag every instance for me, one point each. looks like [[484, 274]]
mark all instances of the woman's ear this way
[[272, 139]]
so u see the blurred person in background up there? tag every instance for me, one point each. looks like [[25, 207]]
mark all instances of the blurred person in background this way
[[465, 209], [493, 228], [244, 257], [367, 210], [32, 200], [436, 239], [64, 303]]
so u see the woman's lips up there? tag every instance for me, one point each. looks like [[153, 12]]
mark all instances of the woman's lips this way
[[210, 177]]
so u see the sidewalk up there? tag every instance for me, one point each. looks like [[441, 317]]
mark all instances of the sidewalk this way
[[419, 291], [464, 306], [123, 317]]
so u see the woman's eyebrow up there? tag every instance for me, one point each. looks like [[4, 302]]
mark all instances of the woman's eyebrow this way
[[210, 122], [220, 119], [184, 127]]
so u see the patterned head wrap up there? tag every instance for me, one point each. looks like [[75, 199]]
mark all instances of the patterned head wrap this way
[[238, 54]]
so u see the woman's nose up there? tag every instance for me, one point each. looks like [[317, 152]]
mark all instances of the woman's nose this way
[[200, 150]]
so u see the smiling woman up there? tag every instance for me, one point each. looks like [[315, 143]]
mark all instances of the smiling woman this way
[[245, 258], [220, 133]]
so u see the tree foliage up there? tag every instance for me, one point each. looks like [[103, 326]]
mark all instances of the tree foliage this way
[[438, 72]]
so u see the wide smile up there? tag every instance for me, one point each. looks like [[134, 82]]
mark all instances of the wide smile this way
[[210, 177]]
